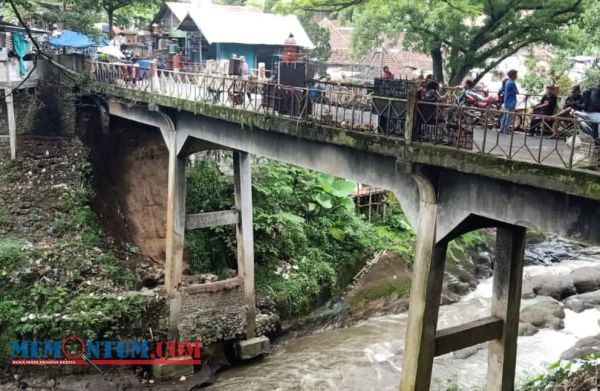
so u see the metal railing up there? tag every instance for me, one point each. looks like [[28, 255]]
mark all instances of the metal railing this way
[[525, 102], [553, 140], [338, 108], [549, 140]]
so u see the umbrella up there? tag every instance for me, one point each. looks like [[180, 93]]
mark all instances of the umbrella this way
[[111, 51]]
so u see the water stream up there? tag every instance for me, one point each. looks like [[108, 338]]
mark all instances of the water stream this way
[[368, 355]]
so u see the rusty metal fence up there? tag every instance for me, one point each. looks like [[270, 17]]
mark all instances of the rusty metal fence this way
[[548, 140]]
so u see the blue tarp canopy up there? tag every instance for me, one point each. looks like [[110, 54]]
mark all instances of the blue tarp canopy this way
[[72, 39]]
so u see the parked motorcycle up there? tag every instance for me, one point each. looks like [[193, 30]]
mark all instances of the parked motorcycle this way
[[474, 99], [472, 102], [588, 122]]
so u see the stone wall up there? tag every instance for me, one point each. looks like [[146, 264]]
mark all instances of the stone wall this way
[[26, 106], [213, 312]]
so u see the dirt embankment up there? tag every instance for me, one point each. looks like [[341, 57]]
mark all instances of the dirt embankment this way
[[130, 171]]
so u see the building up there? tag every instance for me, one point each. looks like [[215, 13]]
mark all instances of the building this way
[[14, 74], [208, 31], [342, 64]]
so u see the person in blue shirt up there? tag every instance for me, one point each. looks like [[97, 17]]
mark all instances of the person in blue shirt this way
[[510, 101]]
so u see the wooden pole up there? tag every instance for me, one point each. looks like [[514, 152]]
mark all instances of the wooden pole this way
[[506, 301]]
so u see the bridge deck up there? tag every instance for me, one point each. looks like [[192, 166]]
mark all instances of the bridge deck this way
[[345, 116]]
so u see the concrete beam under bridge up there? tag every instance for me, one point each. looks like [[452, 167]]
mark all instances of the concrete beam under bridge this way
[[345, 162], [461, 196]]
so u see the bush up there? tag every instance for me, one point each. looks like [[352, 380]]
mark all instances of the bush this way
[[11, 251], [591, 80], [309, 242]]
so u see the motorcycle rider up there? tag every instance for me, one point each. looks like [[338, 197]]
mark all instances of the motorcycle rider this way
[[464, 93]]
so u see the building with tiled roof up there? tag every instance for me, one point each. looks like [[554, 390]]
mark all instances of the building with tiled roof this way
[[342, 63]]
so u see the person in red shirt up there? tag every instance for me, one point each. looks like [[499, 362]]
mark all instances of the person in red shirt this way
[[177, 61], [387, 75]]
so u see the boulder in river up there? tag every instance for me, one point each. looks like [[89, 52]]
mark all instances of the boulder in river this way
[[585, 301], [527, 329], [586, 279], [558, 287], [545, 313], [583, 347]]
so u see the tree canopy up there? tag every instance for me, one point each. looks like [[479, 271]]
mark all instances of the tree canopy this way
[[460, 35]]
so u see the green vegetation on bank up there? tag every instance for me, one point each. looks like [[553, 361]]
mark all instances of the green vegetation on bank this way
[[309, 241], [578, 374], [57, 275]]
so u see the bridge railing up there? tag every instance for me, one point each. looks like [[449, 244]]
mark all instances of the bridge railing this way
[[525, 102], [335, 107], [555, 140], [558, 140]]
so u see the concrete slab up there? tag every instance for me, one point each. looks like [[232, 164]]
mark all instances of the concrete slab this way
[[163, 372], [252, 347]]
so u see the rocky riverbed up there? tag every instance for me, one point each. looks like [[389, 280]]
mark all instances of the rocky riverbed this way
[[368, 354]]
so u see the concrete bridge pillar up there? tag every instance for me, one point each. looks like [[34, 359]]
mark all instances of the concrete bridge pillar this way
[[245, 233], [176, 190], [423, 341], [425, 294], [506, 305]]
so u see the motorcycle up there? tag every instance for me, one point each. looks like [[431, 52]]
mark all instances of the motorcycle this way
[[588, 124], [474, 104], [473, 99]]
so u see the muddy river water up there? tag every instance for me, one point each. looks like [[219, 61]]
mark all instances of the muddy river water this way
[[368, 355]]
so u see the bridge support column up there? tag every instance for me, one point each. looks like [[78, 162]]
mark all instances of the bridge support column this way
[[175, 233], [425, 294], [506, 301], [245, 233]]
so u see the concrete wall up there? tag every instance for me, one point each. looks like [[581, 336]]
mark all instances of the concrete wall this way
[[213, 312]]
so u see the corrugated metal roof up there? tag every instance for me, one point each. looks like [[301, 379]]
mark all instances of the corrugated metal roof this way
[[220, 24], [180, 10], [9, 27]]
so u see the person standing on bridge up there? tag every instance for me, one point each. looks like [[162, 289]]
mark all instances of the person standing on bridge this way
[[387, 74], [510, 101]]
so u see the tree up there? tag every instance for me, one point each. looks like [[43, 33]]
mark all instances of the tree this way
[[591, 79], [110, 7], [319, 36], [460, 35], [555, 71], [138, 14]]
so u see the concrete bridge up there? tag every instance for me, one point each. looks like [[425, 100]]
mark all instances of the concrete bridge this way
[[446, 186]]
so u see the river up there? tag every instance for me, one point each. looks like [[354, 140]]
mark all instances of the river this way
[[368, 355]]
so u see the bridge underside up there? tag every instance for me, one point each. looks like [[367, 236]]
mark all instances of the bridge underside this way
[[440, 203]]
